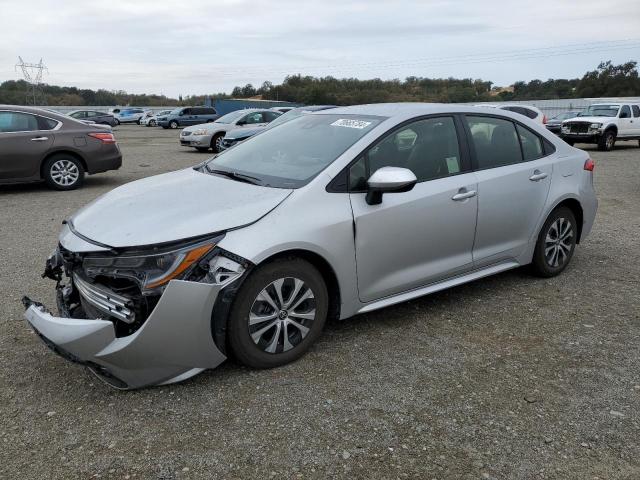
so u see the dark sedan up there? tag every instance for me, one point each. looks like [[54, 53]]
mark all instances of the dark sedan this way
[[554, 124], [102, 118], [38, 144]]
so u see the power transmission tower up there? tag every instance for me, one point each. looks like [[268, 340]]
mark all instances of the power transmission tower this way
[[32, 73]]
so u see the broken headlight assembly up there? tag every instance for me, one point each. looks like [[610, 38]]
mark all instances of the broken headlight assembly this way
[[152, 270]]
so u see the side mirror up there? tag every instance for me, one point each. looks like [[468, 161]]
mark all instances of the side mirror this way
[[389, 180]]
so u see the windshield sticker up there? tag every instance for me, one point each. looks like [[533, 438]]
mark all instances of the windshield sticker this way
[[343, 122]]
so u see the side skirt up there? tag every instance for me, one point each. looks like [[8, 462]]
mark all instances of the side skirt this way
[[442, 285]]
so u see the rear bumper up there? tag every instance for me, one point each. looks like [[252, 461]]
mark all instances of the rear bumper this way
[[173, 344], [111, 159]]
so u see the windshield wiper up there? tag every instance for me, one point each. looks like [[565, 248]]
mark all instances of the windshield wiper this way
[[235, 175]]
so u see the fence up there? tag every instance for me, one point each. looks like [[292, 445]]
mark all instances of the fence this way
[[549, 107]]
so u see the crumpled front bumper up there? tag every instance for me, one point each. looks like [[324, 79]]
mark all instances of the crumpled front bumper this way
[[173, 344]]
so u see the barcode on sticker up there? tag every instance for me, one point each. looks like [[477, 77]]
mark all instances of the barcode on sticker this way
[[344, 122]]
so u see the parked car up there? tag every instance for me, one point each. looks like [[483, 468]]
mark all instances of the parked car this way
[[93, 116], [239, 135], [38, 144], [603, 124], [152, 120], [185, 116], [554, 124], [331, 214], [130, 115], [205, 136], [529, 111]]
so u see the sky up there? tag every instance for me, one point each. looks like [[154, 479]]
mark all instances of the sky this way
[[209, 46]]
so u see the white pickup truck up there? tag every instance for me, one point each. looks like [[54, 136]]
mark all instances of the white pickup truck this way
[[603, 124]]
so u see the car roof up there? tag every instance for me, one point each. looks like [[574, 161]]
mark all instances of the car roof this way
[[37, 111], [391, 110]]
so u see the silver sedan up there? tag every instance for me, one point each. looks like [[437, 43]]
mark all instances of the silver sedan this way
[[332, 214]]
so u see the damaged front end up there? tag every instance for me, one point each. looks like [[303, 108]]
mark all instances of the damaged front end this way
[[139, 317]]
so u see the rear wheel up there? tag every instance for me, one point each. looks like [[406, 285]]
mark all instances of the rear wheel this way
[[63, 172], [278, 313], [216, 142], [607, 141], [556, 243]]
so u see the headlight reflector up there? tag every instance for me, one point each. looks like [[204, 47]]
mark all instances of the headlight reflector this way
[[200, 131], [152, 271]]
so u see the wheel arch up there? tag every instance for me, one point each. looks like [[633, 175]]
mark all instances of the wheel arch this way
[[324, 267], [612, 126], [575, 206], [71, 153]]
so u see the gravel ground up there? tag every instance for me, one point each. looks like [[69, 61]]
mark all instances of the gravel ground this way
[[508, 377]]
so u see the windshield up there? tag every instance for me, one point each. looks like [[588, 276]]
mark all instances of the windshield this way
[[291, 155], [176, 111], [565, 116], [601, 111], [231, 117]]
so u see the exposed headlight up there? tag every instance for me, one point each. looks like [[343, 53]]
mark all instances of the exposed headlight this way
[[200, 131], [152, 271], [595, 125], [565, 128]]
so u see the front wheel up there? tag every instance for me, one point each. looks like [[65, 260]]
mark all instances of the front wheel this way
[[63, 172], [173, 124], [607, 141], [216, 142], [151, 123], [556, 243], [278, 313], [116, 122]]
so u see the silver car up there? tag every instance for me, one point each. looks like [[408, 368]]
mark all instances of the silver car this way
[[332, 214], [210, 135]]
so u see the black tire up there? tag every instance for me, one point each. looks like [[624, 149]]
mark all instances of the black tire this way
[[607, 141], [543, 263], [139, 121], [253, 353], [214, 142], [151, 123], [116, 122], [173, 124], [53, 172], [202, 149]]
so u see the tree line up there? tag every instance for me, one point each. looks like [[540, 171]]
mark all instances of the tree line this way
[[607, 80]]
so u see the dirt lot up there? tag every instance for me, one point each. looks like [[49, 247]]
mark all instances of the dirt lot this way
[[510, 377]]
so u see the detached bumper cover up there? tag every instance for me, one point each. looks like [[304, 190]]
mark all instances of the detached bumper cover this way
[[174, 343]]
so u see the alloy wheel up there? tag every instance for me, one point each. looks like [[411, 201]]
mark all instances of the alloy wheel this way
[[558, 242], [282, 314], [65, 173], [219, 143]]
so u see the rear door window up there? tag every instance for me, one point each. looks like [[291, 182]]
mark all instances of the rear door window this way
[[494, 140], [531, 143], [636, 110], [17, 122]]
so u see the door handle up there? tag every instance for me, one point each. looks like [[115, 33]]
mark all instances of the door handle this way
[[538, 175], [40, 139], [463, 195]]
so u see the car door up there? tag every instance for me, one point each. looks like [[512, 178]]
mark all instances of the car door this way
[[24, 140], [635, 111], [188, 117], [625, 122], [418, 237], [514, 175]]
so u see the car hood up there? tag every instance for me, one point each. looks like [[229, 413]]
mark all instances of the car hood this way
[[209, 127], [589, 119], [173, 206]]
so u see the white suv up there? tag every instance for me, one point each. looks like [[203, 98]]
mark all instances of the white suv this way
[[603, 124]]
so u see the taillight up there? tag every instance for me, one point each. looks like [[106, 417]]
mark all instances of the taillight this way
[[544, 119], [104, 137], [589, 165]]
